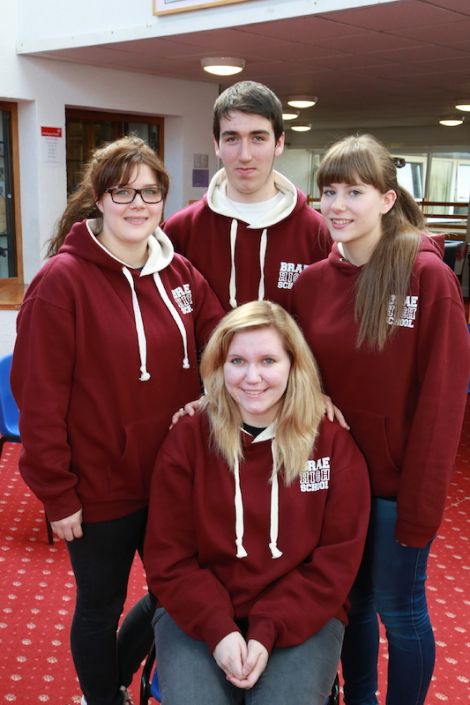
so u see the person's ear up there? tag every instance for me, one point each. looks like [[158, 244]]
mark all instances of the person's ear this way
[[279, 148], [98, 203], [388, 201], [216, 147]]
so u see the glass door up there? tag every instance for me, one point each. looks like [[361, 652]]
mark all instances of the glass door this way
[[88, 129], [8, 254]]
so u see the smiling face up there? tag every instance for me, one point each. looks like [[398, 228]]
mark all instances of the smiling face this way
[[247, 147], [126, 227], [353, 213], [256, 373]]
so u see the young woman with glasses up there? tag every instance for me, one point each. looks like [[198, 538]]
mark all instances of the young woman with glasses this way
[[107, 349]]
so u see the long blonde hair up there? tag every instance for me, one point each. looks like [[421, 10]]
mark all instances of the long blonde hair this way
[[386, 276], [302, 406], [111, 165]]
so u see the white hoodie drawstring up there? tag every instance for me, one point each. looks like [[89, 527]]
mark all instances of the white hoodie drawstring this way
[[274, 518], [160, 254], [175, 316], [274, 525], [239, 527], [139, 325], [262, 255], [232, 284]]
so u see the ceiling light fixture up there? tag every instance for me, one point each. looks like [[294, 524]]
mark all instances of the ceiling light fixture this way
[[290, 114], [301, 127], [464, 105], [302, 101], [451, 121], [223, 65]]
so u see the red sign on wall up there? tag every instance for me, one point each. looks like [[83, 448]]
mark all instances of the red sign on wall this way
[[51, 131]]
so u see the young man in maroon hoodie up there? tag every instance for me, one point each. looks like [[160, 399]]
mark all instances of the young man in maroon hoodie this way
[[253, 232]]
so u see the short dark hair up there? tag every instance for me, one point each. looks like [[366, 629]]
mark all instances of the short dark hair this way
[[249, 97]]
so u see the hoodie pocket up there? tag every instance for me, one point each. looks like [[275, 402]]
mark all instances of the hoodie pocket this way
[[369, 430], [130, 476]]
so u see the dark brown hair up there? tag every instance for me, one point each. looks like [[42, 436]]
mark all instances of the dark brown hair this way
[[111, 165], [249, 97]]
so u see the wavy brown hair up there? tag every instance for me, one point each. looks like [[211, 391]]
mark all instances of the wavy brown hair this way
[[387, 273], [109, 166], [302, 406]]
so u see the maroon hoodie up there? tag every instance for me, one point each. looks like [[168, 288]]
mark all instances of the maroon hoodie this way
[[278, 567], [95, 386], [405, 404], [244, 262]]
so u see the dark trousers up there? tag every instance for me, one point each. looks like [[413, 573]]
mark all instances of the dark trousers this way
[[104, 658]]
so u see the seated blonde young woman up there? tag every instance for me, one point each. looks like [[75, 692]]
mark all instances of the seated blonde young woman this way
[[259, 511]]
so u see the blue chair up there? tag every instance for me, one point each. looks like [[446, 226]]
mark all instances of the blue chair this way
[[9, 416], [8, 410], [149, 685]]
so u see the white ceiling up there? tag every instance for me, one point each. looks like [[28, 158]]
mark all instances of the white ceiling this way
[[399, 64]]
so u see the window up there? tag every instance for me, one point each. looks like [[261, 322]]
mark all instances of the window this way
[[412, 176], [9, 214], [88, 129]]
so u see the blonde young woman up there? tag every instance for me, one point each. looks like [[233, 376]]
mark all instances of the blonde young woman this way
[[107, 348], [259, 509], [385, 320]]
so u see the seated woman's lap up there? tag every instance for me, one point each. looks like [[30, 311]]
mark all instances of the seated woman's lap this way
[[299, 675]]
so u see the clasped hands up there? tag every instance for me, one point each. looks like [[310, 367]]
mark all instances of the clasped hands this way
[[242, 662]]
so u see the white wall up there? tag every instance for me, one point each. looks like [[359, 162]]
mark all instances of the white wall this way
[[7, 331], [44, 88]]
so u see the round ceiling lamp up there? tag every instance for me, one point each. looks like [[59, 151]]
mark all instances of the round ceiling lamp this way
[[301, 127], [451, 121], [290, 114], [464, 105], [302, 101], [223, 65]]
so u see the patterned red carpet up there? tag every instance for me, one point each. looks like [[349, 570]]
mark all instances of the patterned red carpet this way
[[37, 595]]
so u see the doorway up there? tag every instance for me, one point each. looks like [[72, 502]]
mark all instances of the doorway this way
[[87, 130]]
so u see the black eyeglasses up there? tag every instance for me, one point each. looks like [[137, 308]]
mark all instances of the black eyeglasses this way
[[125, 195]]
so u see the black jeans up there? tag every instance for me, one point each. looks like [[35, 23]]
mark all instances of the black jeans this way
[[104, 658]]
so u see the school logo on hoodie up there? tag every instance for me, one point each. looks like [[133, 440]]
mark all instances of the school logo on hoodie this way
[[288, 273], [316, 475], [408, 313], [184, 298]]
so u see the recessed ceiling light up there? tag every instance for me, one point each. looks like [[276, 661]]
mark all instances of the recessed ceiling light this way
[[290, 114], [464, 105], [302, 101], [451, 121], [223, 65], [301, 127]]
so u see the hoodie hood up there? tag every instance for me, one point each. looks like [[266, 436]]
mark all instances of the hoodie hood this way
[[266, 435], [428, 243], [219, 203], [82, 242]]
